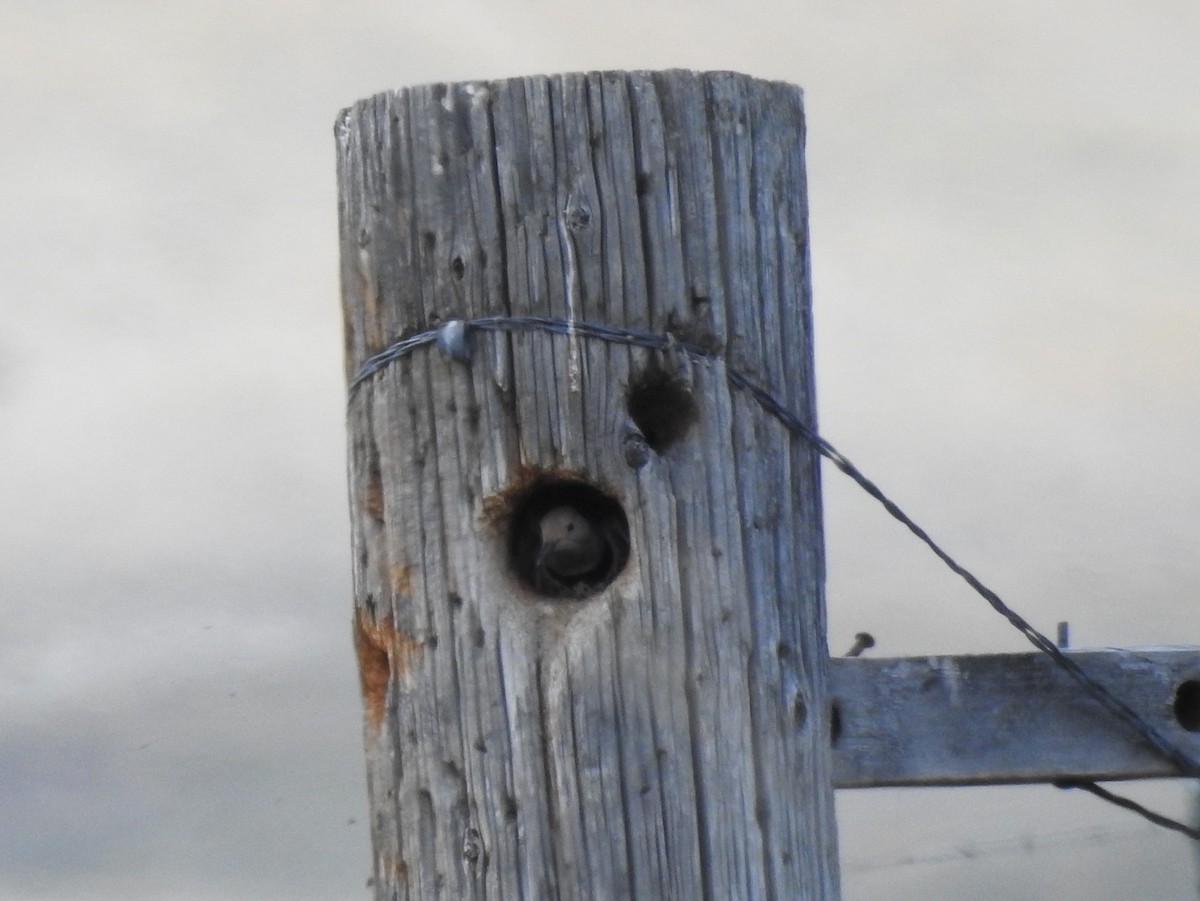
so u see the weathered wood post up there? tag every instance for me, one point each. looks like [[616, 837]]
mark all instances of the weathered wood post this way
[[658, 728]]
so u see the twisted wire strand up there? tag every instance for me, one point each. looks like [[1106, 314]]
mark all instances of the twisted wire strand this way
[[1128, 804], [453, 337]]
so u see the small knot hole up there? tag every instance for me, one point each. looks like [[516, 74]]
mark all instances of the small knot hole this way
[[662, 407]]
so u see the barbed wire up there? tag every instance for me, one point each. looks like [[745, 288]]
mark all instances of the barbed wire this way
[[454, 339]]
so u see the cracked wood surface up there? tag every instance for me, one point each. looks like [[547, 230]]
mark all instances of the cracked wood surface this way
[[669, 737]]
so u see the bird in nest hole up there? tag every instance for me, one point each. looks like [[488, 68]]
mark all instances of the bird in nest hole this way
[[574, 555]]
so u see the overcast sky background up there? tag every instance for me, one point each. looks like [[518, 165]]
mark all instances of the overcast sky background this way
[[1005, 212]]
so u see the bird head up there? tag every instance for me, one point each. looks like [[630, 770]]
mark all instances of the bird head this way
[[570, 545]]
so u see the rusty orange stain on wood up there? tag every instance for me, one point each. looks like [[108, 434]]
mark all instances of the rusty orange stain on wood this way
[[396, 870], [382, 651], [374, 666], [401, 578], [373, 496], [406, 650], [499, 506]]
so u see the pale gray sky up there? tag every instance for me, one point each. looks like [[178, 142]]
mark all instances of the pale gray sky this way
[[1005, 204]]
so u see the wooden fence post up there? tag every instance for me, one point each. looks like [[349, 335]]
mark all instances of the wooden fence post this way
[[659, 727]]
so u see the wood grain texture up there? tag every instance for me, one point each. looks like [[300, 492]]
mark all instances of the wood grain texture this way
[[1006, 718], [667, 738]]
